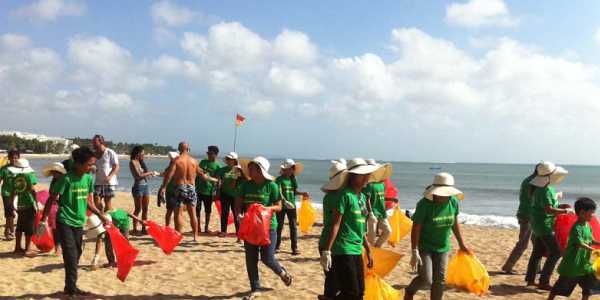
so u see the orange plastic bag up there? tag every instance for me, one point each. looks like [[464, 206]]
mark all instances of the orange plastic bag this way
[[465, 271], [377, 289], [256, 225], [306, 216], [384, 261], [125, 253], [218, 206], [401, 227], [45, 241], [167, 238]]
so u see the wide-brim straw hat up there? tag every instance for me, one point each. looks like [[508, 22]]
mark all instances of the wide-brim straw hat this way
[[55, 166], [383, 172], [361, 167], [548, 173], [443, 186], [289, 163], [338, 175], [263, 164]]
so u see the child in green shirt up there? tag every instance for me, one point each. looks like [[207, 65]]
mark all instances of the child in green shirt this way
[[23, 188], [576, 267]]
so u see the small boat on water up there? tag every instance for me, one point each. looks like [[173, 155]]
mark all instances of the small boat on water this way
[[435, 167]]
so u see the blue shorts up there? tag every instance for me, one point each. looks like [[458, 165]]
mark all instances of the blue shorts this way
[[105, 191], [186, 194], [140, 190]]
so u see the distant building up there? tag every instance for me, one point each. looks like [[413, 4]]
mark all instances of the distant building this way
[[39, 137]]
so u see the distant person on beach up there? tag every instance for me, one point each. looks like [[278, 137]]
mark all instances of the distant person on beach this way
[[342, 252], [524, 217], [183, 172], [375, 192], [230, 178], [434, 219], [543, 215], [74, 193], [6, 178], [107, 168], [57, 171], [338, 174], [23, 188], [205, 186], [140, 190], [288, 185], [261, 189], [576, 267]]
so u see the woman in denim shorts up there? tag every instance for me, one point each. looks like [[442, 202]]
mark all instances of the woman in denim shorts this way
[[139, 191]]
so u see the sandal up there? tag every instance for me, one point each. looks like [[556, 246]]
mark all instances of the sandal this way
[[286, 277], [252, 295]]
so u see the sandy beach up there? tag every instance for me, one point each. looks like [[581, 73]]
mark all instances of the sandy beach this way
[[215, 269]]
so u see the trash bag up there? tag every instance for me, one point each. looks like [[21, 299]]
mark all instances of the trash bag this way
[[562, 227], [384, 261], [391, 191], [218, 206], [45, 241], [465, 271], [167, 238], [125, 253], [256, 225], [377, 289], [401, 227], [306, 216]]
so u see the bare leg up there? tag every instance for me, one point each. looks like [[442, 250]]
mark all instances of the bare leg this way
[[178, 219], [193, 222], [145, 203], [99, 203], [96, 257], [10, 226], [168, 216], [108, 202], [28, 251], [552, 296], [18, 248], [137, 203]]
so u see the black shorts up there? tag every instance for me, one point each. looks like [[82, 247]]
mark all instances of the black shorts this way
[[564, 286], [26, 221], [8, 208]]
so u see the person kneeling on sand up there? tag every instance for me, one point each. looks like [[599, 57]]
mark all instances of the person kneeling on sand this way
[[75, 191], [434, 219], [261, 189]]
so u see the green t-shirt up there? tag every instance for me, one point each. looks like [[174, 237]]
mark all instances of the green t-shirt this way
[[73, 192], [375, 191], [330, 202], [350, 237], [542, 223], [205, 187], [230, 180], [288, 187], [7, 178], [576, 261], [23, 183], [120, 219], [525, 203], [266, 194], [436, 221]]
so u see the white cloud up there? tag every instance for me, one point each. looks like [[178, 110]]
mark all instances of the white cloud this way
[[287, 81], [294, 48], [597, 36], [14, 41], [50, 10], [169, 14], [477, 13], [164, 37]]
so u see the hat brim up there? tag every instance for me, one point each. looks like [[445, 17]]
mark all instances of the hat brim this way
[[298, 168], [443, 191], [364, 170], [335, 183], [17, 170], [243, 165], [382, 173], [555, 178], [48, 171]]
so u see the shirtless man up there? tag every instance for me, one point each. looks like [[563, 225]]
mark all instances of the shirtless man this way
[[183, 171]]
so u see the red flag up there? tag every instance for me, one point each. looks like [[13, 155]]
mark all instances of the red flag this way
[[239, 119], [126, 254], [166, 237]]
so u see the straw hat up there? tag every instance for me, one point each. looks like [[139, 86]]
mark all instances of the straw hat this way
[[55, 166], [243, 165], [262, 163], [20, 167], [231, 155], [338, 173], [382, 173], [443, 185], [548, 173], [360, 166], [173, 155], [289, 163]]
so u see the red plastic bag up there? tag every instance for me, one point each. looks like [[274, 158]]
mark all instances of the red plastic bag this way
[[218, 206], [391, 191], [45, 241], [256, 225], [562, 227], [166, 237], [125, 253]]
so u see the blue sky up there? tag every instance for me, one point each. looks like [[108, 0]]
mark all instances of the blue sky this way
[[464, 80]]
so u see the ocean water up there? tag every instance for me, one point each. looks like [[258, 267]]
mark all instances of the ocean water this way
[[491, 190]]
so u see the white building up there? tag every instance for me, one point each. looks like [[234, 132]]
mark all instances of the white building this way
[[39, 137]]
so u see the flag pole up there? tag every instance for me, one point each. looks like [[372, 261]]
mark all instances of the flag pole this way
[[235, 136]]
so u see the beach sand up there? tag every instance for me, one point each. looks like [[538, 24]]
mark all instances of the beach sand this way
[[215, 269]]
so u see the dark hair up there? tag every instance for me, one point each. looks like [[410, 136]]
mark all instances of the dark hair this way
[[135, 152], [100, 137], [82, 155], [585, 204], [13, 152], [213, 149]]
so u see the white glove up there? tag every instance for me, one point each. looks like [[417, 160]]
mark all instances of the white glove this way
[[155, 174], [569, 211], [240, 217], [326, 260], [415, 260], [288, 204], [41, 229]]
